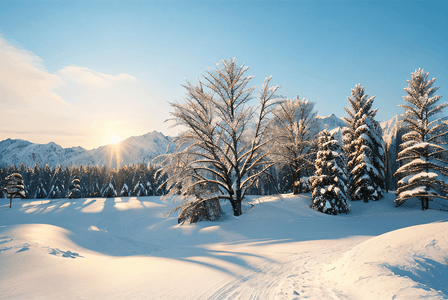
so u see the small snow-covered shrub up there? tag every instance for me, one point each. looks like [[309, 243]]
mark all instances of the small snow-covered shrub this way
[[200, 210], [75, 188]]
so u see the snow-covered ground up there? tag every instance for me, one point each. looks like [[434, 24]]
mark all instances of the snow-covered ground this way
[[125, 248]]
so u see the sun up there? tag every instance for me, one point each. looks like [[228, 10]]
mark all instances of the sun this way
[[114, 139]]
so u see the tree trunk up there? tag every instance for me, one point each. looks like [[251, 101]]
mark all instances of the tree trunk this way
[[10, 201], [236, 206], [295, 182], [425, 203], [387, 167]]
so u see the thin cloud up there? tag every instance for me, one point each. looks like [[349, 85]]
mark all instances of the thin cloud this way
[[24, 79], [89, 77], [74, 106]]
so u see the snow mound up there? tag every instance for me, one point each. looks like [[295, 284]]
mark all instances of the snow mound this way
[[408, 263]]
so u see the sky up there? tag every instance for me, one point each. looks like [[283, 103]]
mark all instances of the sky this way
[[77, 72]]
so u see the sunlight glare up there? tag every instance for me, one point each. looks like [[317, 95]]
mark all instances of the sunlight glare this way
[[114, 139]]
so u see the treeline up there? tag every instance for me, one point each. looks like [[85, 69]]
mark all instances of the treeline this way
[[135, 180], [46, 182]]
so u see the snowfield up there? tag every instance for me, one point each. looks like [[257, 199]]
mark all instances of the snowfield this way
[[126, 248]]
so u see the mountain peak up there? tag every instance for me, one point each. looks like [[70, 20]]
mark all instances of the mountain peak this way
[[134, 150]]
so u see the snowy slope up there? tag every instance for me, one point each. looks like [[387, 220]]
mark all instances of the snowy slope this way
[[390, 128], [407, 263], [331, 121], [134, 150], [15, 152], [124, 248]]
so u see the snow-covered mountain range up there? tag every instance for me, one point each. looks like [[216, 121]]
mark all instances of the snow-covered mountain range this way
[[134, 150]]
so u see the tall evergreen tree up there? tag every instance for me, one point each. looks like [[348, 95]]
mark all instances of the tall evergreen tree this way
[[422, 149], [330, 180], [363, 145], [58, 186], [125, 178], [109, 190]]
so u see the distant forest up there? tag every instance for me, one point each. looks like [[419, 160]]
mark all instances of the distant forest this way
[[42, 182]]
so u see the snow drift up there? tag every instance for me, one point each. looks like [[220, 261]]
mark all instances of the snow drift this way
[[406, 263]]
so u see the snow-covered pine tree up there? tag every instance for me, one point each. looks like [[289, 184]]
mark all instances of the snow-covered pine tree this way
[[125, 175], [14, 187], [96, 181], [57, 187], [109, 190], [25, 171], [364, 148], [149, 190], [27, 180], [75, 188], [40, 191], [139, 189], [139, 179], [330, 180], [83, 177], [422, 149], [125, 191], [294, 132], [226, 137]]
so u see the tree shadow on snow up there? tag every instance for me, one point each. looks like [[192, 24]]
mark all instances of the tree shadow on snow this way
[[127, 227]]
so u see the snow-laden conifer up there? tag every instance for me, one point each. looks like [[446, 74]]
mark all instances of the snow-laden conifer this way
[[40, 191], [423, 151], [109, 190], [75, 188], [124, 190], [294, 133], [57, 186], [330, 181], [14, 187], [139, 190], [363, 144], [225, 137]]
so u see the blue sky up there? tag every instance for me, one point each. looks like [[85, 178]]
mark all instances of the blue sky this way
[[78, 72]]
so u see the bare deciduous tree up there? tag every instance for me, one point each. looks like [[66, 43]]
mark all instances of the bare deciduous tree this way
[[295, 134], [225, 137]]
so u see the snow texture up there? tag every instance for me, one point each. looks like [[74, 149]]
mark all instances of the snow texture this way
[[124, 248]]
